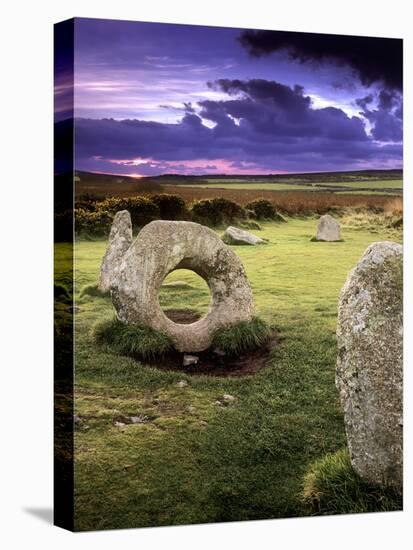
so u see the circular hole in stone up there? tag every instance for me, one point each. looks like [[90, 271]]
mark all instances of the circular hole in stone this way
[[184, 296]]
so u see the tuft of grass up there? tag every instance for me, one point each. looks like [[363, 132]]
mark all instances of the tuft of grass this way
[[331, 486], [134, 341], [94, 291], [242, 336]]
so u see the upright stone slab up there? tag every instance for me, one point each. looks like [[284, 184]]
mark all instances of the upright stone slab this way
[[164, 246], [369, 373], [328, 229], [120, 239]]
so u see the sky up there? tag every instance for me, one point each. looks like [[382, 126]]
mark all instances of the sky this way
[[152, 98]]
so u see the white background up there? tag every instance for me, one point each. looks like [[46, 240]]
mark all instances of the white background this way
[[26, 272]]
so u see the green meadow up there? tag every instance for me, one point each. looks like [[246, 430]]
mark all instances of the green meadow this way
[[194, 457], [371, 185]]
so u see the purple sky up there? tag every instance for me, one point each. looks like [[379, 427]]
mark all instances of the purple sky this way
[[154, 98]]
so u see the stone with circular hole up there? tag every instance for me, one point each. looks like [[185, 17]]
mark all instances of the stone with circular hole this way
[[164, 246]]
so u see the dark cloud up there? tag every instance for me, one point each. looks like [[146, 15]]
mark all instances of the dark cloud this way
[[387, 118], [186, 107], [262, 126], [373, 59]]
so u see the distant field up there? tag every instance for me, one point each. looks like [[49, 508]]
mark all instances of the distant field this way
[[383, 184], [299, 186], [252, 186]]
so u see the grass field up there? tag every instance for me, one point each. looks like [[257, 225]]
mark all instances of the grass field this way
[[253, 186], [191, 459], [373, 186]]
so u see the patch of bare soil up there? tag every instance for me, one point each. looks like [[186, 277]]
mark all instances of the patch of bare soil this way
[[214, 362], [182, 316]]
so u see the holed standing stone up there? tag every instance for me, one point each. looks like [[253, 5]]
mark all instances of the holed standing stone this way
[[164, 246], [369, 374]]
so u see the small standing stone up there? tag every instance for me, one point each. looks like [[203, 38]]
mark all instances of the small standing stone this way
[[369, 374], [182, 384], [328, 229], [120, 239]]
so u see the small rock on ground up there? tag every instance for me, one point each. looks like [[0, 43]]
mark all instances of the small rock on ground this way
[[228, 398], [189, 360], [140, 419]]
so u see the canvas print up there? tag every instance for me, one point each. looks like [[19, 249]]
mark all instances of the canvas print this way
[[228, 274]]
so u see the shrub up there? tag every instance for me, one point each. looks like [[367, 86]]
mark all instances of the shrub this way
[[88, 201], [171, 207], [88, 205], [263, 209], [243, 336], [134, 341], [217, 211], [141, 209], [331, 486], [92, 223]]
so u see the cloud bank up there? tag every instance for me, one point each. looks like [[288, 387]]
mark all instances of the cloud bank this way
[[373, 59], [262, 126]]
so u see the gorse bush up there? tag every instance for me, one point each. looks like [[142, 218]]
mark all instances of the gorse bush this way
[[95, 217], [141, 209], [89, 223], [171, 207], [215, 212], [331, 486], [262, 209]]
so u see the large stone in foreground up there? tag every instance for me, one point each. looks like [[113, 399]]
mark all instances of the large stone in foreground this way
[[164, 246], [233, 235], [328, 229], [369, 373], [120, 239]]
